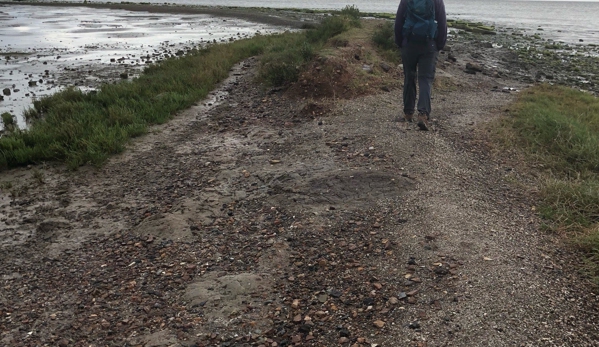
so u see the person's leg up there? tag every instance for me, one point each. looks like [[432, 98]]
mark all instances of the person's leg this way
[[409, 59], [426, 75]]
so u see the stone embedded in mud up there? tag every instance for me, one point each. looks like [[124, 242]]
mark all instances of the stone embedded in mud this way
[[473, 68], [304, 328], [385, 66], [379, 324], [6, 91], [414, 325], [441, 270]]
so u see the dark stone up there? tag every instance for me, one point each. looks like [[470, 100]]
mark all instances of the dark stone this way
[[335, 293], [414, 325], [385, 66], [440, 270], [6, 91], [344, 333], [304, 328]]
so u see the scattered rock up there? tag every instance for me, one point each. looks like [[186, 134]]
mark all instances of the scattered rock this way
[[473, 68], [385, 66], [414, 325], [379, 324]]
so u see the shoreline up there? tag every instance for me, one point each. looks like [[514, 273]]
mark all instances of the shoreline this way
[[101, 46], [251, 15]]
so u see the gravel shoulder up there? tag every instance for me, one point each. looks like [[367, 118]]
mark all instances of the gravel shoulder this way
[[257, 219]]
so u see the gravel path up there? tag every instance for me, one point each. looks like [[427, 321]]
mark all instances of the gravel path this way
[[253, 220]]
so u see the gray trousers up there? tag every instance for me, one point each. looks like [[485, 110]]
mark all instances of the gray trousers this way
[[419, 62]]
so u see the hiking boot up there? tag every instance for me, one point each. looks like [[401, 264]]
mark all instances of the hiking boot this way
[[423, 121], [408, 117]]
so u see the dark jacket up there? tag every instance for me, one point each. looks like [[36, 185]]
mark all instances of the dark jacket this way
[[440, 17]]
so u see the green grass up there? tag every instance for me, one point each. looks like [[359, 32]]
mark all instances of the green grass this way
[[562, 125], [384, 39], [559, 128], [85, 128]]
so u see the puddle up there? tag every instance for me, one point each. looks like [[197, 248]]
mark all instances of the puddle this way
[[44, 49]]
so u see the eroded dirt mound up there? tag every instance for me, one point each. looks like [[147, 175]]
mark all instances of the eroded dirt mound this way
[[325, 78], [348, 74]]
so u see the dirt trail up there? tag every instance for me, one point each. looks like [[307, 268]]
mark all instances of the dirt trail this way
[[250, 221]]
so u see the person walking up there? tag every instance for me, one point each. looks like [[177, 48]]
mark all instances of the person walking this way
[[420, 33]]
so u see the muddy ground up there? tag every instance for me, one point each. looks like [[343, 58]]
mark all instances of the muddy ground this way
[[259, 218]]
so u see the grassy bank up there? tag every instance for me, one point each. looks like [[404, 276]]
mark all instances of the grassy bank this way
[[558, 128], [80, 128]]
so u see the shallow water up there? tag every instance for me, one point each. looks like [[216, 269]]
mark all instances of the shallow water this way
[[85, 46], [569, 21]]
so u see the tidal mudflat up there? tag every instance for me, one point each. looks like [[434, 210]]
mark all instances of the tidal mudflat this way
[[44, 49]]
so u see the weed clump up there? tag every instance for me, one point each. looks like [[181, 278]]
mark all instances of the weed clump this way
[[282, 63], [8, 121], [384, 39]]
